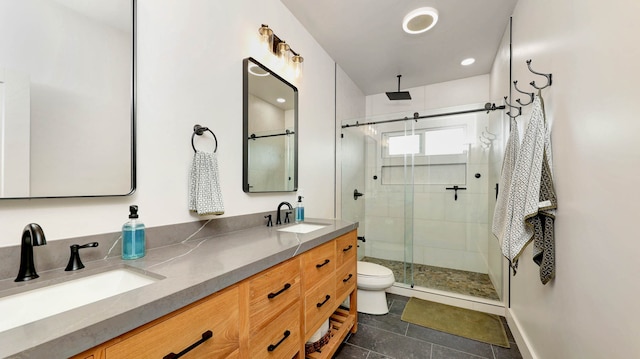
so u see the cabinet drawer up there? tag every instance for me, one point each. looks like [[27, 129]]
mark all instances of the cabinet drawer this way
[[180, 331], [273, 290], [280, 338], [346, 277], [319, 303], [318, 264], [346, 248]]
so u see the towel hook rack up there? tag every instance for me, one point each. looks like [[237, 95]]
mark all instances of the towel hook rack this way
[[533, 83], [488, 135], [530, 94], [199, 130], [512, 106]]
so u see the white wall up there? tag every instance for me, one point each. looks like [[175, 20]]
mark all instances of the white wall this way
[[190, 71], [591, 309]]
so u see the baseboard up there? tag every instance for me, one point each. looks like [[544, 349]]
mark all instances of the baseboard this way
[[521, 340]]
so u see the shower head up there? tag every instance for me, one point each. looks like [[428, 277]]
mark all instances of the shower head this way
[[399, 95]]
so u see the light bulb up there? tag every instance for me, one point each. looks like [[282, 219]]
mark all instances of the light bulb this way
[[297, 61]]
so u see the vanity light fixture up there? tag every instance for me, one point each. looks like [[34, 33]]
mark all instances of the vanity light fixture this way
[[420, 20], [467, 61], [283, 51], [296, 62]]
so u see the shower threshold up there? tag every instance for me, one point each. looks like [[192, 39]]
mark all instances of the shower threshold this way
[[466, 283]]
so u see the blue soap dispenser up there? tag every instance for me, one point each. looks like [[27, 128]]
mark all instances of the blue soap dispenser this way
[[133, 236], [299, 210]]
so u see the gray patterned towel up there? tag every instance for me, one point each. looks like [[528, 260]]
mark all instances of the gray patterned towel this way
[[205, 196], [532, 204]]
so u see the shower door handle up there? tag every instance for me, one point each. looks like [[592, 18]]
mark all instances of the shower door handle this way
[[357, 194]]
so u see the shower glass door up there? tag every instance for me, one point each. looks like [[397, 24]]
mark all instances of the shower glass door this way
[[425, 209]]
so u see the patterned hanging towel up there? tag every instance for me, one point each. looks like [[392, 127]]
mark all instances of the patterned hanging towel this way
[[543, 222], [525, 201], [504, 193], [205, 196]]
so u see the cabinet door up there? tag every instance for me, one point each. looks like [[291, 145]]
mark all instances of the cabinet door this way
[[271, 291], [217, 316]]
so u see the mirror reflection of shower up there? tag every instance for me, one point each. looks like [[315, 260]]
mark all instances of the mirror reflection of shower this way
[[414, 223]]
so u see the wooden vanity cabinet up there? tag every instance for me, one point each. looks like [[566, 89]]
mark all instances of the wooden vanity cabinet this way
[[269, 315], [273, 312], [218, 314]]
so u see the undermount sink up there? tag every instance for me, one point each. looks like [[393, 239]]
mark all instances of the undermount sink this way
[[26, 307], [302, 228]]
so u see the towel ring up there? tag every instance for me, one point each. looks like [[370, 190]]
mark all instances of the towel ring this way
[[199, 130]]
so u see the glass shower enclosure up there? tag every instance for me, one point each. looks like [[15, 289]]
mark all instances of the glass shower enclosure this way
[[425, 209]]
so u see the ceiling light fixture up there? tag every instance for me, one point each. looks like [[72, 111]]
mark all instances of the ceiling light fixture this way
[[257, 70], [281, 49], [281, 100], [420, 20], [467, 61]]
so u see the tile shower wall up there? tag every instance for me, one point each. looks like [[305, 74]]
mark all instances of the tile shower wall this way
[[446, 232]]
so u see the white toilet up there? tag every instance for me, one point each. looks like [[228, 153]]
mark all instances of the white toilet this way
[[373, 279]]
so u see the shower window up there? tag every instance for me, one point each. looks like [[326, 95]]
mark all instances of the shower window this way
[[438, 156], [444, 141], [403, 145], [426, 142]]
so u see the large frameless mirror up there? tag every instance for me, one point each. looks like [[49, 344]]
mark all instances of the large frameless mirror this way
[[67, 98], [270, 140]]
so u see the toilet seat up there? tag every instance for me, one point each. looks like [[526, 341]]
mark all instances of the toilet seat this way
[[367, 269], [373, 276]]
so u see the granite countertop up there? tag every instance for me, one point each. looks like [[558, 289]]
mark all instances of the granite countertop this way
[[192, 270]]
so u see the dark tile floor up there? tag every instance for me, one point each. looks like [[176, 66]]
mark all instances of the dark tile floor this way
[[387, 337], [446, 279]]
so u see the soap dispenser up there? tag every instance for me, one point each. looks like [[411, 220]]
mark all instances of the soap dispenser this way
[[133, 236], [299, 210]]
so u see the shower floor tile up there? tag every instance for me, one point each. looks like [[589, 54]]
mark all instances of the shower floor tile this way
[[450, 280]]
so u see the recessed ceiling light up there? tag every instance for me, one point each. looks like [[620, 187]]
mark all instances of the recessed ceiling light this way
[[468, 61], [281, 100], [257, 70], [420, 20]]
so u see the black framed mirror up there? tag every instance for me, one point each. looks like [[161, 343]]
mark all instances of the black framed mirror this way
[[270, 130], [67, 73]]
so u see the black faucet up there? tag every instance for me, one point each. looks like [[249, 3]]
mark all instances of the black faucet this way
[[33, 235], [278, 211], [74, 260]]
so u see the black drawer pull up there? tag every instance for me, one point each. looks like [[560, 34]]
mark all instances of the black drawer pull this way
[[273, 347], [273, 295], [205, 336], [324, 301], [347, 279], [326, 261], [348, 248]]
